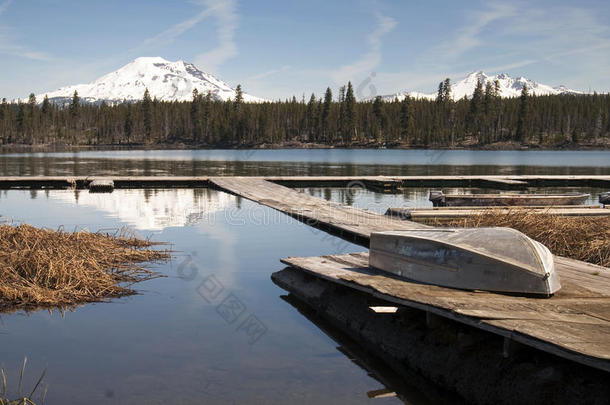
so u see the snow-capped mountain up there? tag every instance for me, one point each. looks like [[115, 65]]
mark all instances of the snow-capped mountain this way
[[165, 80], [509, 87]]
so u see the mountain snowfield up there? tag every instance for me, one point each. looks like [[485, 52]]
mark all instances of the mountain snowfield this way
[[509, 87], [165, 80], [175, 81]]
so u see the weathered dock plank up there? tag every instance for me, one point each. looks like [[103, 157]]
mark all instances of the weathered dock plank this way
[[381, 183], [572, 324], [430, 216], [481, 180], [331, 216], [83, 182]]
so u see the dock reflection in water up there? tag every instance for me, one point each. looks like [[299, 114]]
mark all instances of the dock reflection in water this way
[[409, 388]]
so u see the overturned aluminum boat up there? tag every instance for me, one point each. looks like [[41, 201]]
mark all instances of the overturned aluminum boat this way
[[477, 200], [492, 259]]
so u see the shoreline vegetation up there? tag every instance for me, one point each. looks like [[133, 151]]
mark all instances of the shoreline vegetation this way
[[483, 121], [44, 268], [580, 238], [499, 146], [19, 397]]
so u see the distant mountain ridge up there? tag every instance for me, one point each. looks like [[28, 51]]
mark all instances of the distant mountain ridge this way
[[165, 80], [509, 87]]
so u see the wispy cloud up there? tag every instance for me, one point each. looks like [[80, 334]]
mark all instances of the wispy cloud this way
[[226, 25], [4, 6], [507, 37], [9, 47], [268, 73], [372, 58], [171, 34], [470, 35]]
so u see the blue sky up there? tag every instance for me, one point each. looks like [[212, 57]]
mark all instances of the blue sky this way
[[277, 49]]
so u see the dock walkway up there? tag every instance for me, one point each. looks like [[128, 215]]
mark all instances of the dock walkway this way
[[381, 183], [336, 218], [574, 324], [440, 215]]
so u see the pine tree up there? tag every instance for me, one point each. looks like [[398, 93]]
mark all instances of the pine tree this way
[[584, 119], [128, 126], [239, 96], [147, 114], [523, 119], [3, 111], [489, 100], [207, 106], [311, 116], [440, 93], [406, 119], [350, 113], [20, 118], [4, 136], [32, 101], [378, 114], [447, 90], [443, 94], [497, 112], [46, 105], [341, 124], [476, 109], [325, 118], [75, 105]]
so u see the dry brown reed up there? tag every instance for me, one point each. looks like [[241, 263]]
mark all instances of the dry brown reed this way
[[21, 399], [581, 238], [53, 268]]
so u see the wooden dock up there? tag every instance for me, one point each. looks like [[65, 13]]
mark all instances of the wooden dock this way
[[376, 183], [345, 221], [574, 324], [439, 215]]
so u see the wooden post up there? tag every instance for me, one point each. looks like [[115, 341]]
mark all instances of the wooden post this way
[[433, 321], [510, 347]]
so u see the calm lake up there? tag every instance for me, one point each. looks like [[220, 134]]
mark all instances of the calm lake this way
[[308, 162], [173, 343]]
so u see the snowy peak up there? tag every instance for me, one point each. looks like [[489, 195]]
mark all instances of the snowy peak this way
[[509, 87], [165, 80]]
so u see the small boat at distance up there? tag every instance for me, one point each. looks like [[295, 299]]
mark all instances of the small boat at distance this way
[[439, 199], [491, 259]]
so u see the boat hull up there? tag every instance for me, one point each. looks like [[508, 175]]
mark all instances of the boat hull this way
[[492, 259], [479, 200]]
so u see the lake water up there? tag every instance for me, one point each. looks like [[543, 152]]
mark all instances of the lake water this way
[[174, 342], [314, 162]]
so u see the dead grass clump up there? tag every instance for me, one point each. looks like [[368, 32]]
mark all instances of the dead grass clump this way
[[47, 268], [581, 238]]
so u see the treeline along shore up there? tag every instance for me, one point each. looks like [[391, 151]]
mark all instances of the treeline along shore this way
[[484, 120]]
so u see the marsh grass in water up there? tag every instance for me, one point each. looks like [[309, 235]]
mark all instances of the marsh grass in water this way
[[581, 238], [52, 268], [20, 399]]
